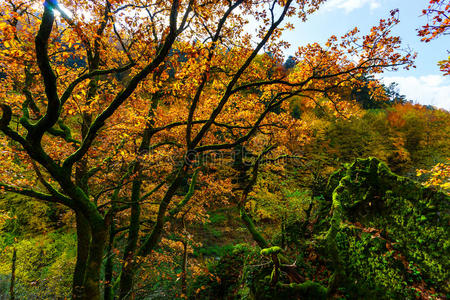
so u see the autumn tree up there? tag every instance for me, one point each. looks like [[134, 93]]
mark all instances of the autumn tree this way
[[438, 13], [108, 108]]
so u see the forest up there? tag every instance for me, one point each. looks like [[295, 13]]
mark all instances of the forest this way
[[155, 149]]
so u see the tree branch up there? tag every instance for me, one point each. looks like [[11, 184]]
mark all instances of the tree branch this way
[[68, 92], [29, 193], [53, 107], [125, 93], [236, 77]]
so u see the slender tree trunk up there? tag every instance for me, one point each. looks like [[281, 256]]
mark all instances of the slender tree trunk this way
[[257, 237], [108, 292], [183, 268], [152, 240], [94, 264], [283, 232], [13, 275], [126, 278], [83, 228], [276, 269], [83, 242], [330, 241]]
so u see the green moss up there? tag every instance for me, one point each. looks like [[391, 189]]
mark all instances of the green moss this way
[[413, 222], [307, 290], [271, 250]]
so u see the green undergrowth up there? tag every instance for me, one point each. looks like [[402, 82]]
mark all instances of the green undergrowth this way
[[43, 268]]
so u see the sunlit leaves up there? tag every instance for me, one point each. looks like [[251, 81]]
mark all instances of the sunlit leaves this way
[[438, 176]]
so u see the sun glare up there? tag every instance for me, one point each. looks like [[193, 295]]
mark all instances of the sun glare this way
[[63, 11]]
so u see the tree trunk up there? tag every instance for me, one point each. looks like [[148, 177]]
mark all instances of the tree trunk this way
[[276, 269], [13, 275], [152, 240], [94, 264], [127, 274], [248, 222], [108, 292], [83, 242], [126, 278], [283, 232], [82, 224], [183, 268]]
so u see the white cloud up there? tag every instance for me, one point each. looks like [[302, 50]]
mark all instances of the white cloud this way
[[432, 80], [429, 89], [350, 5], [374, 5]]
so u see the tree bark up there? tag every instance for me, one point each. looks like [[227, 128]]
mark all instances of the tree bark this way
[[184, 268], [94, 263], [108, 292], [248, 222], [126, 278], [83, 243]]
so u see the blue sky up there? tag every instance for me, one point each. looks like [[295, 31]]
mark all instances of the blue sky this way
[[425, 84]]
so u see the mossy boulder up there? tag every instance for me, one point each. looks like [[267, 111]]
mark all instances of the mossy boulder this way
[[391, 233]]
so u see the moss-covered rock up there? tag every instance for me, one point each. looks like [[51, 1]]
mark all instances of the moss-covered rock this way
[[387, 233]]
